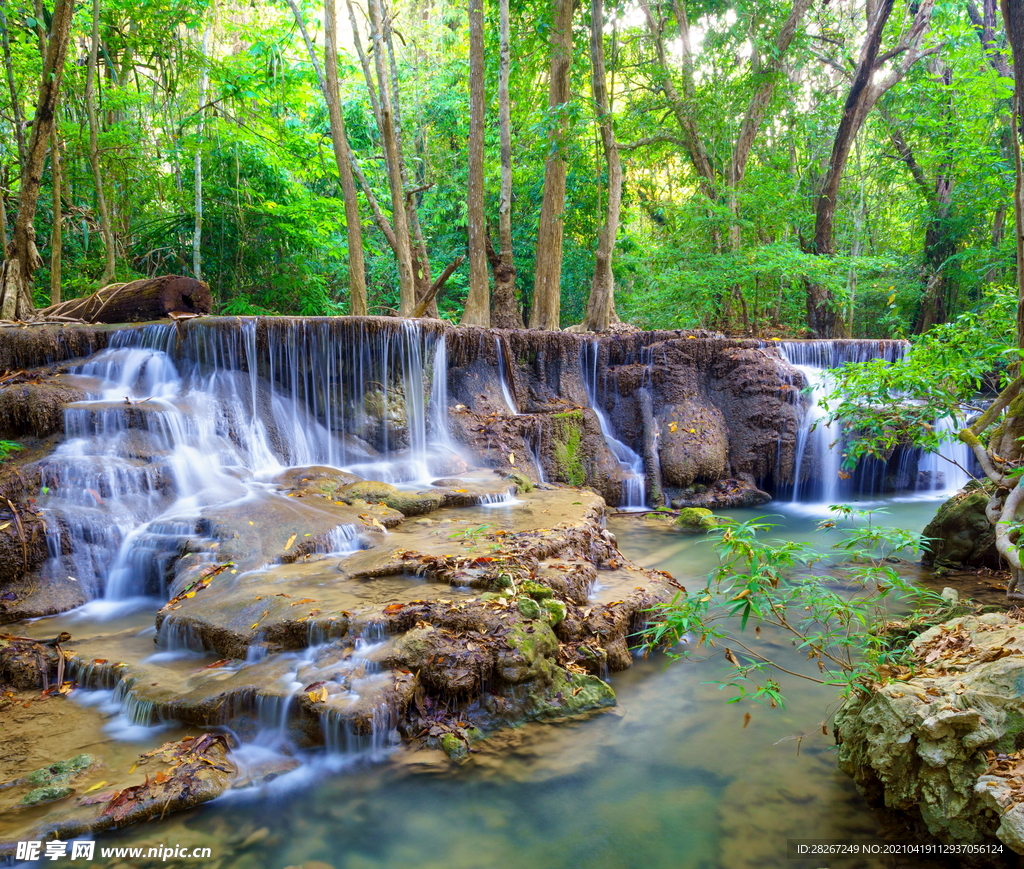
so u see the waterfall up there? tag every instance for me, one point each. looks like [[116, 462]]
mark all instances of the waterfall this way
[[184, 417], [503, 377], [819, 455], [632, 464], [817, 472], [948, 469]]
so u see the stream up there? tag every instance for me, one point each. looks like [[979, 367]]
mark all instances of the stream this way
[[672, 778]]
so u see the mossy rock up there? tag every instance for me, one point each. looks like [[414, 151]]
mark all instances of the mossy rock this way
[[555, 610], [567, 433], [535, 590], [696, 519], [588, 692], [454, 747], [529, 608], [960, 535], [521, 481], [47, 794], [62, 771], [533, 644], [406, 503]]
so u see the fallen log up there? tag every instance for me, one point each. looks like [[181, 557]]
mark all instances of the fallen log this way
[[137, 301]]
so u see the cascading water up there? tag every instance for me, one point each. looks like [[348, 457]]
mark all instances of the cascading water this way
[[506, 392], [948, 469], [179, 421], [816, 474], [632, 464]]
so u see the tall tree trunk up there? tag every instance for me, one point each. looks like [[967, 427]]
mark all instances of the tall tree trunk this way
[[358, 305], [389, 135], [94, 149], [19, 121], [478, 302], [547, 285], [197, 232], [1013, 15], [57, 230], [23, 256], [3, 213], [601, 303], [505, 313], [823, 318]]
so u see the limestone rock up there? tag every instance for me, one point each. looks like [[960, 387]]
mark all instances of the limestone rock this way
[[922, 743]]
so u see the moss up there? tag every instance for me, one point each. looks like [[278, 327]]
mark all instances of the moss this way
[[454, 747], [529, 608], [61, 771], [46, 794], [535, 644], [406, 503], [522, 482], [696, 518], [535, 590], [588, 692], [555, 609], [568, 443]]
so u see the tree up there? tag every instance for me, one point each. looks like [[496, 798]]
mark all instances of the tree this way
[[22, 255], [505, 313], [197, 232], [478, 308], [547, 283], [869, 82], [94, 156], [343, 158], [715, 180], [601, 302]]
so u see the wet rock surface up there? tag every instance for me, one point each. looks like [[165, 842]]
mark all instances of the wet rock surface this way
[[264, 483], [941, 742], [960, 535]]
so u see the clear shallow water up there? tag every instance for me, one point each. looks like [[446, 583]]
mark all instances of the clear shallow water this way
[[672, 778]]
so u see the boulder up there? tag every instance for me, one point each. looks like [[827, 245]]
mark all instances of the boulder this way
[[940, 741], [960, 535], [693, 444]]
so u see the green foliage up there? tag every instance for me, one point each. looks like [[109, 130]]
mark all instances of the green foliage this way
[[274, 237], [883, 404], [831, 612], [8, 447]]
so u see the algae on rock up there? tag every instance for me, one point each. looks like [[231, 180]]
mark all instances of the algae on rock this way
[[568, 441]]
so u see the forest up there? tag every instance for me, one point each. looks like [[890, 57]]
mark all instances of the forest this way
[[553, 341], [829, 169]]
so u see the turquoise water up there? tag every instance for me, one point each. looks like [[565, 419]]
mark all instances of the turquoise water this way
[[673, 778]]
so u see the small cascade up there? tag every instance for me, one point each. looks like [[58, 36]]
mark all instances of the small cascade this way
[[632, 464], [183, 419], [346, 741], [818, 465], [343, 540], [503, 377], [438, 422], [818, 441], [947, 470]]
